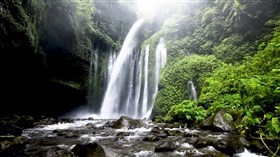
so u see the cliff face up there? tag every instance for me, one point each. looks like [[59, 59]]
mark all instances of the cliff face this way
[[45, 51]]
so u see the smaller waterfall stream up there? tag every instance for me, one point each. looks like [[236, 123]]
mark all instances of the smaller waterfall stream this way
[[93, 76], [160, 61], [111, 60], [191, 91]]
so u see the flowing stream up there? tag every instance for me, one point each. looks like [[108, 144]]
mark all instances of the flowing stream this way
[[121, 142]]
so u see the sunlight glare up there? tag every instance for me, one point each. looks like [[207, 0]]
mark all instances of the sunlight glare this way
[[149, 8]]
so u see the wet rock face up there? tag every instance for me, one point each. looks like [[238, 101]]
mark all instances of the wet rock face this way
[[89, 150], [126, 122]]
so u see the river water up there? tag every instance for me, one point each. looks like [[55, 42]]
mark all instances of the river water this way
[[119, 142]]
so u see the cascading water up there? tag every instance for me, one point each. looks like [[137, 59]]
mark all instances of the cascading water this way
[[111, 60], [191, 91], [146, 80], [115, 102], [160, 61], [128, 90]]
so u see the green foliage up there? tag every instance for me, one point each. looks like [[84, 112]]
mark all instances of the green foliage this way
[[228, 117], [174, 80], [17, 30], [187, 111], [233, 49], [251, 88]]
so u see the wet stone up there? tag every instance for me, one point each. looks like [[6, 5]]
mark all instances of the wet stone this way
[[165, 146], [151, 138], [56, 152], [126, 122], [89, 150]]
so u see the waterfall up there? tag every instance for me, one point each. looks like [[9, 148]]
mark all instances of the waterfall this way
[[191, 91], [146, 90], [130, 90], [115, 102], [111, 60], [160, 61], [95, 68], [138, 86]]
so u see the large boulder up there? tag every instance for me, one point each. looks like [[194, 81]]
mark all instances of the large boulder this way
[[226, 143], [229, 146], [89, 150], [220, 121], [126, 122]]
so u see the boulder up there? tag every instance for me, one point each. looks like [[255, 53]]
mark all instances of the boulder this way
[[221, 122], [56, 152], [89, 150], [218, 122], [151, 138], [165, 146], [207, 123], [203, 142], [126, 122], [229, 146]]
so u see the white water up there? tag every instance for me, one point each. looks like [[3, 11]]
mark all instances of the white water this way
[[129, 90], [116, 94], [246, 153], [138, 86], [160, 61], [105, 135], [111, 60], [146, 90], [191, 91]]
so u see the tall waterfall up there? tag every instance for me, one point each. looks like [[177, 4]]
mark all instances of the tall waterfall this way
[[131, 90], [117, 100], [146, 80], [191, 91]]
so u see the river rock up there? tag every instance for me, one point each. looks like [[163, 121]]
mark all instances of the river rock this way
[[12, 146], [257, 146], [218, 122], [229, 146], [151, 138], [89, 150], [67, 120], [205, 152], [126, 122], [165, 146], [203, 142], [56, 152]]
